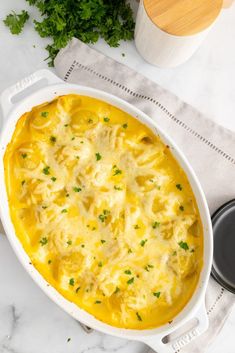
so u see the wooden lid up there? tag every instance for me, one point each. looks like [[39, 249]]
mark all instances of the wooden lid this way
[[183, 17]]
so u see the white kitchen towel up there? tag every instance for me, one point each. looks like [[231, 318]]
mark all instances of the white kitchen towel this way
[[209, 147]]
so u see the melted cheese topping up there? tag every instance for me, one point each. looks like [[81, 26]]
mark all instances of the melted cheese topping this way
[[104, 211]]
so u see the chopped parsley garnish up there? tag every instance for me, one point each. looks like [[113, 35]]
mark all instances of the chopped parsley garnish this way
[[53, 139], [98, 156], [16, 22], [136, 226], [174, 253], [73, 138], [116, 290], [100, 264], [192, 250], [143, 242], [125, 126], [181, 208], [103, 241], [23, 182], [44, 114], [179, 186], [183, 245], [64, 210], [77, 189], [53, 179], [117, 188], [83, 246], [69, 242], [90, 121], [138, 316], [87, 20], [131, 280], [116, 171], [103, 217], [49, 262], [127, 272], [24, 155], [157, 294], [129, 251], [43, 241], [66, 125], [71, 282], [123, 54], [98, 302], [106, 119], [46, 170], [150, 266], [155, 225], [44, 207], [69, 339], [146, 268], [77, 289]]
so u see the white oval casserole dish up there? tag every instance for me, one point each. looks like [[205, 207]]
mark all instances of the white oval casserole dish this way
[[195, 308]]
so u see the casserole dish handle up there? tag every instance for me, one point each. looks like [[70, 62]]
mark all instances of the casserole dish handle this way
[[6, 98], [174, 345]]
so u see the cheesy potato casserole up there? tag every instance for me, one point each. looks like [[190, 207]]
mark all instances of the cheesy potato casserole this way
[[104, 211]]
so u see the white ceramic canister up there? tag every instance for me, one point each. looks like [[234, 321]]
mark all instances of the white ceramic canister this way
[[168, 32]]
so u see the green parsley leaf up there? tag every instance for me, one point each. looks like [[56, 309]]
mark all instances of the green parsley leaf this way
[[78, 288], [117, 171], [98, 302], [117, 188], [69, 339], [123, 54], [131, 280], [49, 262], [83, 246], [125, 126], [127, 272], [157, 294], [155, 225], [23, 182], [16, 22], [116, 290], [46, 170], [53, 179], [71, 282], [43, 241], [64, 210], [98, 156], [77, 189], [179, 186], [129, 251], [103, 217], [100, 264], [44, 114], [136, 226], [143, 242], [183, 245], [181, 208], [24, 155], [106, 119], [53, 139], [69, 242], [103, 241], [139, 317]]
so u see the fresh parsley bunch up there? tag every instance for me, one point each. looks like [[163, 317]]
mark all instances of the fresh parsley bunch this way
[[86, 20]]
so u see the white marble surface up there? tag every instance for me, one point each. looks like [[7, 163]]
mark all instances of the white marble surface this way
[[29, 321]]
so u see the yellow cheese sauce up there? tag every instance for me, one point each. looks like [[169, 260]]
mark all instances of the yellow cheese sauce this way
[[104, 211]]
